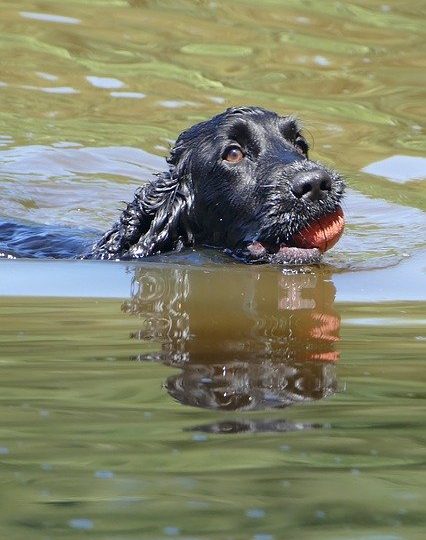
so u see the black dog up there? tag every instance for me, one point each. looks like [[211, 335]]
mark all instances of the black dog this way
[[241, 181]]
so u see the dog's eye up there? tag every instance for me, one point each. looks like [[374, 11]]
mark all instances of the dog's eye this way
[[301, 144], [233, 154]]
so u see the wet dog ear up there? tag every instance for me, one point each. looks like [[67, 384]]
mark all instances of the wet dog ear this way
[[155, 221]]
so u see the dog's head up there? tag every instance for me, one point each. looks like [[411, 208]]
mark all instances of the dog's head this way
[[254, 187], [241, 181]]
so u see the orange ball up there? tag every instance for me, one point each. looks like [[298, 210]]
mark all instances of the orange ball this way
[[322, 233]]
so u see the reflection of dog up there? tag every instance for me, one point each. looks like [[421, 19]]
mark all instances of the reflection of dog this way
[[266, 340], [241, 181]]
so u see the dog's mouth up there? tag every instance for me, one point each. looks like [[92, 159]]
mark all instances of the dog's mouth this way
[[305, 247]]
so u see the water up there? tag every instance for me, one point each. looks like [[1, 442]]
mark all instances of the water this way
[[191, 396]]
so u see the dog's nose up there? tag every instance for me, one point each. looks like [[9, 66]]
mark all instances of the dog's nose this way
[[313, 185]]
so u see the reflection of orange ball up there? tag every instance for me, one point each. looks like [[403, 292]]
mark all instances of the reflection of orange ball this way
[[322, 233]]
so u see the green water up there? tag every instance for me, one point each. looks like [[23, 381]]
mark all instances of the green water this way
[[93, 444], [194, 397]]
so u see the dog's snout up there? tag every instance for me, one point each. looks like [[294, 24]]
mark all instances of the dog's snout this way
[[313, 185]]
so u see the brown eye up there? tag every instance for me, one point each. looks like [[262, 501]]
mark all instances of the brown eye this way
[[301, 144], [234, 154]]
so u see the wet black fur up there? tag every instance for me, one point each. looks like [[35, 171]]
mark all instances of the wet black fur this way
[[205, 200]]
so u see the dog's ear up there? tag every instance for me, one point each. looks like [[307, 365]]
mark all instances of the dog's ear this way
[[156, 220]]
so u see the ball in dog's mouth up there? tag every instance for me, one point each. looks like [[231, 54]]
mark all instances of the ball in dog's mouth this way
[[323, 233], [306, 246]]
